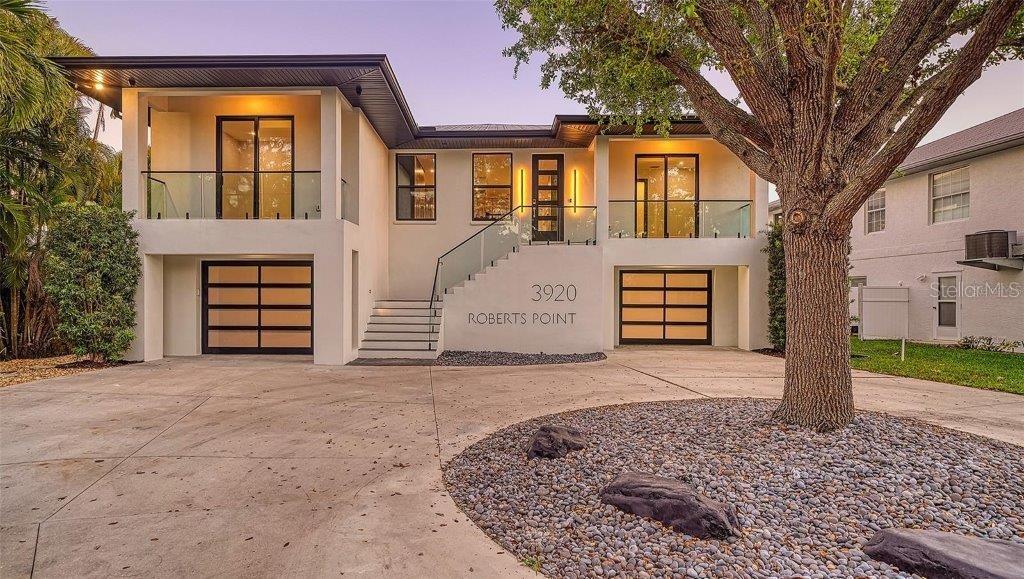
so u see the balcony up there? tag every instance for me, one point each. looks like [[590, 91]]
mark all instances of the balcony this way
[[678, 219], [232, 194]]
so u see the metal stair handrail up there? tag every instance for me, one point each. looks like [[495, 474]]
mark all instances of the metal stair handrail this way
[[437, 266]]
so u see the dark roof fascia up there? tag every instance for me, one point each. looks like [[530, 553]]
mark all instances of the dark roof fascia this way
[[249, 61], [960, 156]]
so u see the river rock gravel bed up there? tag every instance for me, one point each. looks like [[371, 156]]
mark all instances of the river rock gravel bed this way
[[807, 502], [484, 358]]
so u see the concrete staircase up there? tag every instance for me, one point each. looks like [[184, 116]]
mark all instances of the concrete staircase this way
[[402, 329]]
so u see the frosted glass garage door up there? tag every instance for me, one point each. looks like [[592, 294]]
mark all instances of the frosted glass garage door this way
[[664, 307], [258, 307]]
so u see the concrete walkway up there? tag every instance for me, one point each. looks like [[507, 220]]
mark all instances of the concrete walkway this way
[[272, 466]]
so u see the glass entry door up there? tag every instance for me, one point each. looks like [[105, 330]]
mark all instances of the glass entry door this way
[[666, 195], [255, 164], [548, 184]]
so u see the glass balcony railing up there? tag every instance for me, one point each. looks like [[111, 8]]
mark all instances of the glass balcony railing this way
[[232, 194], [525, 225], [662, 219]]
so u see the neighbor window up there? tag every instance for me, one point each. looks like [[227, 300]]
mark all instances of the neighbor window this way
[[874, 212], [492, 185], [951, 195], [415, 177]]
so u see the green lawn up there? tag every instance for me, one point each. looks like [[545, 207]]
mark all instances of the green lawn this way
[[975, 368]]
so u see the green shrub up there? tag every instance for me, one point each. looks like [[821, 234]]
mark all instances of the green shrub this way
[[988, 344], [776, 286], [92, 269]]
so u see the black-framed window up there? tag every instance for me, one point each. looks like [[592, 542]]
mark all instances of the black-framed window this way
[[492, 185], [667, 195], [255, 166], [415, 182]]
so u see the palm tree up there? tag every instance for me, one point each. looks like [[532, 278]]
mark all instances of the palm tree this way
[[49, 158]]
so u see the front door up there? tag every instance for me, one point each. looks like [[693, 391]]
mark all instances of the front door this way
[[547, 197], [947, 309]]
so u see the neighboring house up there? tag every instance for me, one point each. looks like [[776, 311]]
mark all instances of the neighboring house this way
[[292, 204], [949, 225]]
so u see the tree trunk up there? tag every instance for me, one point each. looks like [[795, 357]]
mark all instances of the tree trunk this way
[[818, 391]]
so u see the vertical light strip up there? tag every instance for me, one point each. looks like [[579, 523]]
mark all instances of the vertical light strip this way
[[522, 188], [575, 191]]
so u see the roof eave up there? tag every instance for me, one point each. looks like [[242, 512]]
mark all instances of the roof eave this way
[[960, 156]]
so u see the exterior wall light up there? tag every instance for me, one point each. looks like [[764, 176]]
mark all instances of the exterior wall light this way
[[575, 191], [522, 189]]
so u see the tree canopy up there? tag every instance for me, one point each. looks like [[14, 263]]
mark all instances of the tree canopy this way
[[849, 88]]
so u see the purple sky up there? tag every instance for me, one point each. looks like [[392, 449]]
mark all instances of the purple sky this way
[[447, 55]]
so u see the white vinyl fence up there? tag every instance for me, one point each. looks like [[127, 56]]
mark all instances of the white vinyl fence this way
[[884, 312]]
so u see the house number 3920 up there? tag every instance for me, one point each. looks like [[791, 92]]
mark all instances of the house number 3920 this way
[[554, 292]]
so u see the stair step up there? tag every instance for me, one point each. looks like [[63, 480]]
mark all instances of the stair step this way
[[395, 353], [402, 327], [405, 304], [424, 311], [400, 334], [421, 344], [423, 320]]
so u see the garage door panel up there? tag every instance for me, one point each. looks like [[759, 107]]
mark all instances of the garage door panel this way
[[286, 274], [632, 297], [233, 274], [233, 296], [233, 338], [285, 296], [643, 279], [643, 314], [258, 307], [286, 317], [686, 332], [686, 314], [233, 317], [286, 339], [694, 298], [642, 332], [687, 280], [671, 306]]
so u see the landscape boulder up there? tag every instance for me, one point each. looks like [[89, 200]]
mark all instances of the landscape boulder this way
[[673, 503], [554, 441], [940, 555]]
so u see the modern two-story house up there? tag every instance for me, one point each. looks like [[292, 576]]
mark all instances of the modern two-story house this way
[[949, 227], [292, 204]]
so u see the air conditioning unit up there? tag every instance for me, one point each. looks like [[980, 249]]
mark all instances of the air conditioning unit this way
[[995, 249]]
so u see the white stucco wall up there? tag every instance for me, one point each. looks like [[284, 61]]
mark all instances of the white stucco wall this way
[[184, 128], [168, 301], [721, 174], [913, 252], [415, 247], [502, 310]]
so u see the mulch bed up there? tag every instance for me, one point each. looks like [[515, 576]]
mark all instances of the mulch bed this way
[[484, 358], [21, 370]]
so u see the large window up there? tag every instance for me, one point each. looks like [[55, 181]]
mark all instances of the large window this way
[[951, 195], [874, 212], [492, 185], [415, 195]]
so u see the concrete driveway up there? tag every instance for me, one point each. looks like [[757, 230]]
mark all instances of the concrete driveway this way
[[272, 466]]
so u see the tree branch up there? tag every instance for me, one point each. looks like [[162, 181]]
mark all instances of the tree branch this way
[[948, 84]]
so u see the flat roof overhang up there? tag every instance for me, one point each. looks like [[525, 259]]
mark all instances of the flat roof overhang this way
[[367, 81]]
